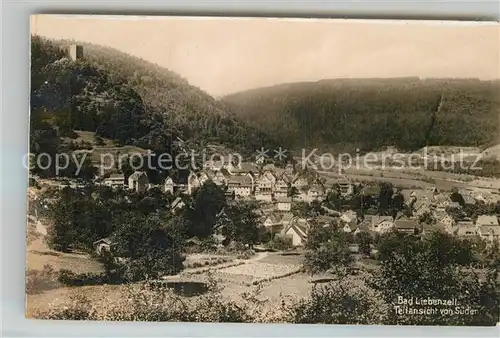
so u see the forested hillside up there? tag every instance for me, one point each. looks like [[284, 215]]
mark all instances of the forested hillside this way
[[370, 113], [126, 99]]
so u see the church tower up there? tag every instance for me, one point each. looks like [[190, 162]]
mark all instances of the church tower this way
[[75, 52]]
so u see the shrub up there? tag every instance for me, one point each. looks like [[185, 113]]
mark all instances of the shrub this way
[[280, 243], [247, 254], [340, 302], [40, 280]]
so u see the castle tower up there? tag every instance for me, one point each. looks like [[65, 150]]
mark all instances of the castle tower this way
[[75, 52]]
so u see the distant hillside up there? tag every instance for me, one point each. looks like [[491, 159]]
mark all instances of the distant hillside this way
[[371, 113], [130, 100]]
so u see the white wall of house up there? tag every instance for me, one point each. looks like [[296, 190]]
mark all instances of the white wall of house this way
[[296, 239], [284, 206], [383, 226]]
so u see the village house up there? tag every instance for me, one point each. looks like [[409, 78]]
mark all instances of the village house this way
[[406, 226], [326, 221], [349, 227], [272, 223], [220, 177], [264, 186], [346, 187], [487, 220], [443, 217], [421, 206], [466, 231], [240, 185], [454, 205], [363, 227], [297, 230], [315, 193], [489, 233], [115, 181], [429, 229], [138, 181], [300, 182], [349, 216], [409, 195], [442, 201], [467, 197], [452, 229], [286, 219], [372, 191], [193, 182], [103, 245], [281, 187], [381, 224], [177, 205], [168, 185], [271, 220], [217, 163], [283, 204], [204, 177], [242, 168]]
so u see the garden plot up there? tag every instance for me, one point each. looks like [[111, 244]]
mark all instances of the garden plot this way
[[261, 270]]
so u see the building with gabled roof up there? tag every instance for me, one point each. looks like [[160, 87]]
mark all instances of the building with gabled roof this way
[[115, 181], [283, 204], [297, 230], [490, 233], [381, 224], [407, 226], [243, 168], [138, 181], [240, 185], [487, 220]]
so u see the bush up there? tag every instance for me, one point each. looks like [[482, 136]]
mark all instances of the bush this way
[[280, 243], [69, 278], [142, 302], [41, 280], [98, 140], [340, 302], [247, 254]]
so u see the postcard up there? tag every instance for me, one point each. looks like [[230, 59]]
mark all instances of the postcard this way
[[263, 170]]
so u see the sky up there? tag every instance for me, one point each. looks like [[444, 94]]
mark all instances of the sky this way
[[227, 55]]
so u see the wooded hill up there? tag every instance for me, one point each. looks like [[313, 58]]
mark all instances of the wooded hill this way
[[127, 99], [343, 114]]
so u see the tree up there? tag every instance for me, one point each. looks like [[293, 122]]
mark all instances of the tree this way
[[385, 198], [334, 198], [240, 223], [149, 248], [398, 202], [202, 208], [364, 240], [78, 220], [457, 197], [326, 249], [427, 218], [435, 268], [292, 192], [339, 302]]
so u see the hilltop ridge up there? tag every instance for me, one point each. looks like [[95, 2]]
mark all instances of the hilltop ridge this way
[[408, 113]]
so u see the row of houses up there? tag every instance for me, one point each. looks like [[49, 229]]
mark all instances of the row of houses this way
[[138, 181], [486, 226], [297, 228], [266, 184]]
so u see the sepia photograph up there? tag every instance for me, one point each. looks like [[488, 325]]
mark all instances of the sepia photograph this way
[[263, 170]]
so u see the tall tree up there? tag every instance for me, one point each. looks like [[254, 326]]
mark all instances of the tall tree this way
[[202, 208]]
